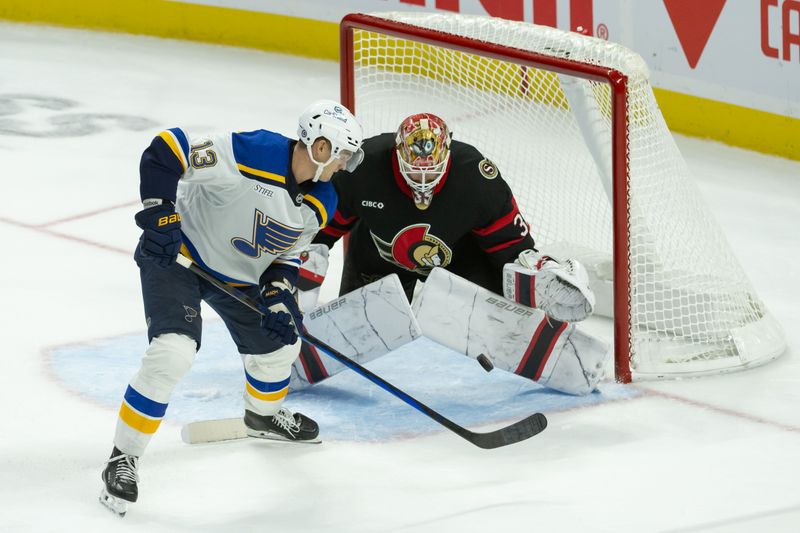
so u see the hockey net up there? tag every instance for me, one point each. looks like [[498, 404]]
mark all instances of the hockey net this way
[[572, 124]]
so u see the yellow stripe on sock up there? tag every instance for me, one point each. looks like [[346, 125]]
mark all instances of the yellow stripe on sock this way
[[266, 396], [138, 422]]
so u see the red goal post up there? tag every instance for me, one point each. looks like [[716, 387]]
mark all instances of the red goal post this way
[[569, 96]]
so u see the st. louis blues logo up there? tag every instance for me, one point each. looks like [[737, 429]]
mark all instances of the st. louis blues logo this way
[[268, 235], [414, 249]]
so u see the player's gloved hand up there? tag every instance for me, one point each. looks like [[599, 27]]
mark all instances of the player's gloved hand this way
[[161, 239], [560, 289], [282, 318]]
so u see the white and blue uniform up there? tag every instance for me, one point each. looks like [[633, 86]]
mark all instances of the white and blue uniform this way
[[244, 219], [241, 209]]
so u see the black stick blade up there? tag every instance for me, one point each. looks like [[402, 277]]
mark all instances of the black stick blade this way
[[519, 431]]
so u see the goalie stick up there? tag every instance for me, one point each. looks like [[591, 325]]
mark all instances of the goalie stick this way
[[516, 432]]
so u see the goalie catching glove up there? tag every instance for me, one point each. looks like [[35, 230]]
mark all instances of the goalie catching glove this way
[[560, 289]]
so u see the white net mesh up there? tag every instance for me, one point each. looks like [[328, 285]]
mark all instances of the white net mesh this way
[[692, 308]]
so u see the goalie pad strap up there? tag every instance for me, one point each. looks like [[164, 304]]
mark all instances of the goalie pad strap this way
[[540, 348], [312, 365]]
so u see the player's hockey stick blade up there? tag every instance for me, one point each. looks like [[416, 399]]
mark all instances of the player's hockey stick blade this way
[[206, 431], [519, 431], [225, 429]]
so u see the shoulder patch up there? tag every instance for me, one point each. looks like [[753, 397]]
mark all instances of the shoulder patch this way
[[487, 169]]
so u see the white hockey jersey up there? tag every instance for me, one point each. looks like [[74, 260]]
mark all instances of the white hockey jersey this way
[[240, 206]]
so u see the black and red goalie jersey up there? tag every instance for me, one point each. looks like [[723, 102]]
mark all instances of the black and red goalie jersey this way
[[465, 220]]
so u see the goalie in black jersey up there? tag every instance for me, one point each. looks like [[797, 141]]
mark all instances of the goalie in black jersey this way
[[420, 200]]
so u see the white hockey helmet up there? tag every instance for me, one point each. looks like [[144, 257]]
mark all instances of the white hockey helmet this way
[[329, 119]]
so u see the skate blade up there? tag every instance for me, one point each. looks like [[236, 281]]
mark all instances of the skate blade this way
[[268, 435], [118, 506]]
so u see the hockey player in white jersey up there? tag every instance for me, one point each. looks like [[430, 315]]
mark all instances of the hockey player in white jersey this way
[[241, 206]]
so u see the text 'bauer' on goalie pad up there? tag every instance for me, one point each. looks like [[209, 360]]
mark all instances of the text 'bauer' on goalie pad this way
[[472, 320], [363, 325]]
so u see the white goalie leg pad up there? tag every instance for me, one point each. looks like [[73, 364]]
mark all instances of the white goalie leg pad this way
[[267, 378], [312, 273], [364, 324], [472, 320], [577, 363], [167, 359]]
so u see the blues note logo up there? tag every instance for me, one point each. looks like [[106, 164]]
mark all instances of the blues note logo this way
[[268, 235]]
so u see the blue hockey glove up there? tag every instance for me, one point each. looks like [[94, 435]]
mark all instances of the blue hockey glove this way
[[279, 305], [161, 239]]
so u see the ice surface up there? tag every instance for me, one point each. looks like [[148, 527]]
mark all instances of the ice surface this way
[[76, 110]]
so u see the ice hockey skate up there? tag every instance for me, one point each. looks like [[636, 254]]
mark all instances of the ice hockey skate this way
[[120, 478], [283, 425]]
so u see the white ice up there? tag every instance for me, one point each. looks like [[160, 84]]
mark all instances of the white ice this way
[[76, 110]]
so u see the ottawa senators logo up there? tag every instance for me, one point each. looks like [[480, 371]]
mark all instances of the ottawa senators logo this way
[[487, 169], [414, 249]]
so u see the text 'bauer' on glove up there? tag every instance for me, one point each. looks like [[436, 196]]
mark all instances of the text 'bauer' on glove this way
[[161, 237]]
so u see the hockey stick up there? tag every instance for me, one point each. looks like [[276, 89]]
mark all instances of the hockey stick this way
[[516, 432]]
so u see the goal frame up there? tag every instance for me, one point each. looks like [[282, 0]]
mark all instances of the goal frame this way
[[620, 170]]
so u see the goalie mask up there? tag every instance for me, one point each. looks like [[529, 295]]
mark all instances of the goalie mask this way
[[329, 119], [423, 154]]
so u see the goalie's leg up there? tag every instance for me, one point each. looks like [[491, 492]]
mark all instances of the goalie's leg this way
[[515, 338], [364, 324]]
